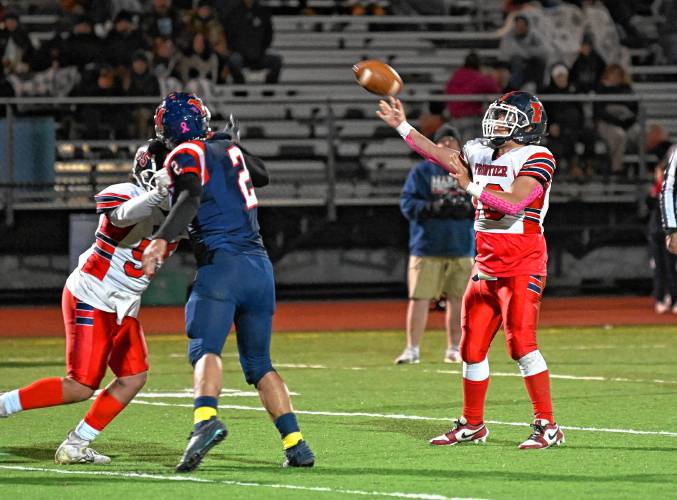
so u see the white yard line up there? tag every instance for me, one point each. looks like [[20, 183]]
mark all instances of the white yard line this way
[[606, 346], [395, 416], [248, 484], [595, 378]]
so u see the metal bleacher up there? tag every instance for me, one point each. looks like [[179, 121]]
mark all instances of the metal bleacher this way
[[318, 127]]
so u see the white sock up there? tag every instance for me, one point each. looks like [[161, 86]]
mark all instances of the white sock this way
[[415, 350], [86, 431], [12, 402]]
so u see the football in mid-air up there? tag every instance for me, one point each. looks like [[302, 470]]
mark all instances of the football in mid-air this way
[[377, 77]]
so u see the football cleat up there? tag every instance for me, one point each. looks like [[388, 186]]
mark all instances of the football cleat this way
[[544, 435], [452, 355], [75, 450], [200, 441], [409, 356], [299, 455], [462, 432]]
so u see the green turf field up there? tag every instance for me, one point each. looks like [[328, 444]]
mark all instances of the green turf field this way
[[368, 423]]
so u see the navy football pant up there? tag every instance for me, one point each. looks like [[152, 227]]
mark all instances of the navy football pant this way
[[239, 289]]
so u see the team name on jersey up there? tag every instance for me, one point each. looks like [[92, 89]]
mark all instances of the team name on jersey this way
[[491, 170]]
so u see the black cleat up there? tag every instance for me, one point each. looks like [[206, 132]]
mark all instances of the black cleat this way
[[200, 442], [299, 455]]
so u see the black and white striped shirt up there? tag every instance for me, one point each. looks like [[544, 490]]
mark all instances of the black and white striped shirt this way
[[668, 197]]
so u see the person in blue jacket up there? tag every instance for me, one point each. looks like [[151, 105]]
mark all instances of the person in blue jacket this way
[[441, 248]]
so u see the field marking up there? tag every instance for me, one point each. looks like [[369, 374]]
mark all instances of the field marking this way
[[188, 394], [606, 346], [595, 378], [395, 416], [248, 484]]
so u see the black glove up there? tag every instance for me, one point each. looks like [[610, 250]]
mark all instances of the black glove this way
[[450, 207], [232, 128], [158, 150]]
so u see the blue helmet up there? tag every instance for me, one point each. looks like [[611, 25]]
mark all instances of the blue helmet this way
[[181, 117]]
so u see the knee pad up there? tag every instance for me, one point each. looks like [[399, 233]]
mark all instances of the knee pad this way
[[471, 356], [476, 371], [197, 349], [532, 364], [255, 369]]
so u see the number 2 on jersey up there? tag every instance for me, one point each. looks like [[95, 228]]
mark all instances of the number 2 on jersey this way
[[243, 178]]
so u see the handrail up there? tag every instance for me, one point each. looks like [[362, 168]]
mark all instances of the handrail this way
[[339, 99]]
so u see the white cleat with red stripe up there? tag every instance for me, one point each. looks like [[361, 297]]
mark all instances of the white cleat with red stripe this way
[[544, 435], [462, 432]]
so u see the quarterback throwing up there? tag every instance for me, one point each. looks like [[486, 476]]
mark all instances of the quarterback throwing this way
[[509, 175]]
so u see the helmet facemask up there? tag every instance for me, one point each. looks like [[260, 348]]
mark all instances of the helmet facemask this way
[[144, 169], [502, 122]]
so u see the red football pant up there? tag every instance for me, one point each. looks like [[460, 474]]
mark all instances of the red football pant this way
[[514, 302], [94, 340]]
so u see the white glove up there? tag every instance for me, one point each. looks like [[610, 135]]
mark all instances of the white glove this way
[[162, 182]]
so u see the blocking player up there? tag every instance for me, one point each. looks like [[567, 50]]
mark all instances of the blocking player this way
[[100, 304], [511, 179], [213, 181]]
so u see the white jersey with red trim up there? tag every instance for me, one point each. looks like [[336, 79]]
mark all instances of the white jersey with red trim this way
[[498, 174], [109, 275]]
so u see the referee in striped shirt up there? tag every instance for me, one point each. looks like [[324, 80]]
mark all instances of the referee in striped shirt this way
[[668, 201]]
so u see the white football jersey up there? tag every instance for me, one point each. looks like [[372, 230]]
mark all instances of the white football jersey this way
[[498, 174], [109, 275]]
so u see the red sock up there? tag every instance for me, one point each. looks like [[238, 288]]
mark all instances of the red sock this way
[[474, 394], [538, 387], [104, 409], [42, 393]]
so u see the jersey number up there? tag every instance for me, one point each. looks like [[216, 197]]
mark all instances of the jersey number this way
[[243, 178], [490, 213], [133, 268]]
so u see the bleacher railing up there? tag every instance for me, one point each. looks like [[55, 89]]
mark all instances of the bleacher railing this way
[[44, 195]]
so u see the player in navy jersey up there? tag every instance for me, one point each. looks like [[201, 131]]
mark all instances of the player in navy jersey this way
[[213, 180]]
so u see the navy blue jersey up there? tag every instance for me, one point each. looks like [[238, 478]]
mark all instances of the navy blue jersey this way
[[227, 217]]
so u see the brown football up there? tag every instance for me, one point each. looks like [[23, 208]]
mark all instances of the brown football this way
[[377, 77]]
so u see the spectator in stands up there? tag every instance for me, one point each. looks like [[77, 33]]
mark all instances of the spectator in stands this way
[[418, 8], [565, 122], [103, 12], [501, 74], [663, 263], [123, 40], [588, 67], [441, 247], [166, 62], [613, 119], [163, 20], [142, 82], [201, 62], [468, 79], [82, 46], [622, 14], [204, 21], [249, 31], [68, 13], [101, 121], [16, 49], [527, 52], [666, 30], [6, 90]]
